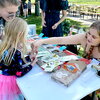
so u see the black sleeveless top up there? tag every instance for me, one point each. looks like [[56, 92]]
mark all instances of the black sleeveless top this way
[[46, 5]]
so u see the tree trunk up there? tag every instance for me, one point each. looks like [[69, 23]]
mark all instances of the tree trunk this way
[[37, 11]]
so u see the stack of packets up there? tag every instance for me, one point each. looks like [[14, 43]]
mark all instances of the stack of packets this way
[[65, 68], [69, 72], [50, 57]]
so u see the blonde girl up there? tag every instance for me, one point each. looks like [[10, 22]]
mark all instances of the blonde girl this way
[[12, 60]]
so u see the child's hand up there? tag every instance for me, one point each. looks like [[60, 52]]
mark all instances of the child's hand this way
[[34, 62], [33, 58]]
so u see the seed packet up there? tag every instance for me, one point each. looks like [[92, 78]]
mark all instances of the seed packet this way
[[69, 72]]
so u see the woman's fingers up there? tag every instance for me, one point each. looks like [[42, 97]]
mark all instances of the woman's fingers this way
[[34, 48], [54, 26], [44, 23]]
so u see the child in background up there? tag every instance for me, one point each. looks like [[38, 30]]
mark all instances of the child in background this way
[[25, 9], [12, 60], [29, 7]]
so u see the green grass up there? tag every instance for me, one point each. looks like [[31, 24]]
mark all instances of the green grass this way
[[35, 20], [32, 1], [69, 23], [83, 0], [90, 2]]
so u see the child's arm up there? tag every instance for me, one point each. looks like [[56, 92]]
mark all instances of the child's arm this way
[[22, 71], [15, 68], [21, 66]]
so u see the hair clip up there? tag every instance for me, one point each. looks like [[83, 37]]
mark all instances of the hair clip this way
[[41, 35]]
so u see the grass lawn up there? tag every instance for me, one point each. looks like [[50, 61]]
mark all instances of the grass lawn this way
[[90, 2], [35, 20], [32, 1]]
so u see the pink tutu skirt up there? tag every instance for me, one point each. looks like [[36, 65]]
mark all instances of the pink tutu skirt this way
[[9, 89]]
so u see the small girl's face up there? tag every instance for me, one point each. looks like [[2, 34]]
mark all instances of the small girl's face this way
[[93, 37]]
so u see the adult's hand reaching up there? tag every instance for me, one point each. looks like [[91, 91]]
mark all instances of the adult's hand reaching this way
[[35, 45]]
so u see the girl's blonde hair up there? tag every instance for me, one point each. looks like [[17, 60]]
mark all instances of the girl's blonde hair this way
[[15, 32]]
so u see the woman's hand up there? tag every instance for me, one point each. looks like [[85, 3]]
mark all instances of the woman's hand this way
[[55, 26], [43, 18], [44, 23], [35, 45]]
